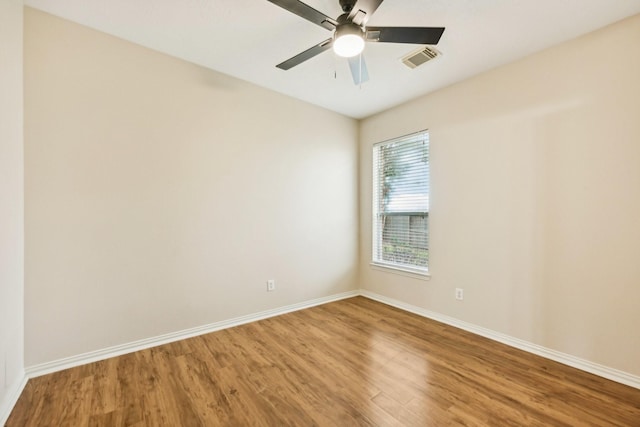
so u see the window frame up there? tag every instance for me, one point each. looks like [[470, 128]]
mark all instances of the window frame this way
[[377, 233]]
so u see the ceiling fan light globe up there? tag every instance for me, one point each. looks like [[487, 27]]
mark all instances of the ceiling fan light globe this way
[[348, 45], [348, 40]]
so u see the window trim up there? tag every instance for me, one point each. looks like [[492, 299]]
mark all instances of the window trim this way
[[404, 270]]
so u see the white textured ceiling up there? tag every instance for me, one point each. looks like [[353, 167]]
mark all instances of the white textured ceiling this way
[[247, 38]]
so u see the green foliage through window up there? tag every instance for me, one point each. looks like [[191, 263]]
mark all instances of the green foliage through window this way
[[401, 202]]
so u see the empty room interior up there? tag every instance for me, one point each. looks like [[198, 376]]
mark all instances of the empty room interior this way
[[202, 223]]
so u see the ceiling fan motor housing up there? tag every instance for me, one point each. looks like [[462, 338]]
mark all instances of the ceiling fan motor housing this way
[[348, 28]]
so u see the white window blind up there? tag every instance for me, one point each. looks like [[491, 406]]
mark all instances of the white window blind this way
[[401, 203]]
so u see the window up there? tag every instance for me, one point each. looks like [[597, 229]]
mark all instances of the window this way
[[401, 203]]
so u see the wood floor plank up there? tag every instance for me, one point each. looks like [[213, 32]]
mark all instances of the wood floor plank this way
[[354, 362]]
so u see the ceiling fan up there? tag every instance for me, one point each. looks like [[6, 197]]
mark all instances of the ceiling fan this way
[[350, 33]]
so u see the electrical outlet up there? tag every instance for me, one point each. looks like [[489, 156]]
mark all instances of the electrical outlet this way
[[271, 285], [459, 294]]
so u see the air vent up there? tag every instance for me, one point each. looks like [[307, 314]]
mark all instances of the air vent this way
[[420, 56]]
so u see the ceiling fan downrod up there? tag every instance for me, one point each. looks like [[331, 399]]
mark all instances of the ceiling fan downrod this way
[[347, 5]]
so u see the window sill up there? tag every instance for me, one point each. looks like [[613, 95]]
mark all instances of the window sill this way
[[400, 271]]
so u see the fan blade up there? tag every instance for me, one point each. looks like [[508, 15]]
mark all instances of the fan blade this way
[[307, 54], [307, 12], [414, 35], [358, 69], [363, 10]]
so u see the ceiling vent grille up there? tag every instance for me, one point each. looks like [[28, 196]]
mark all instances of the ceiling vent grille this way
[[420, 56]]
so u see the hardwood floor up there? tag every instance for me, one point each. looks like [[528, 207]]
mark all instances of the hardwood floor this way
[[348, 363]]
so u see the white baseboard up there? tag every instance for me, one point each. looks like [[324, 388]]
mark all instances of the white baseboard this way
[[93, 356], [566, 359], [11, 397], [118, 350]]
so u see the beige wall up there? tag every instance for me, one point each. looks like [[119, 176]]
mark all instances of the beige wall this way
[[535, 205], [11, 202], [162, 196]]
